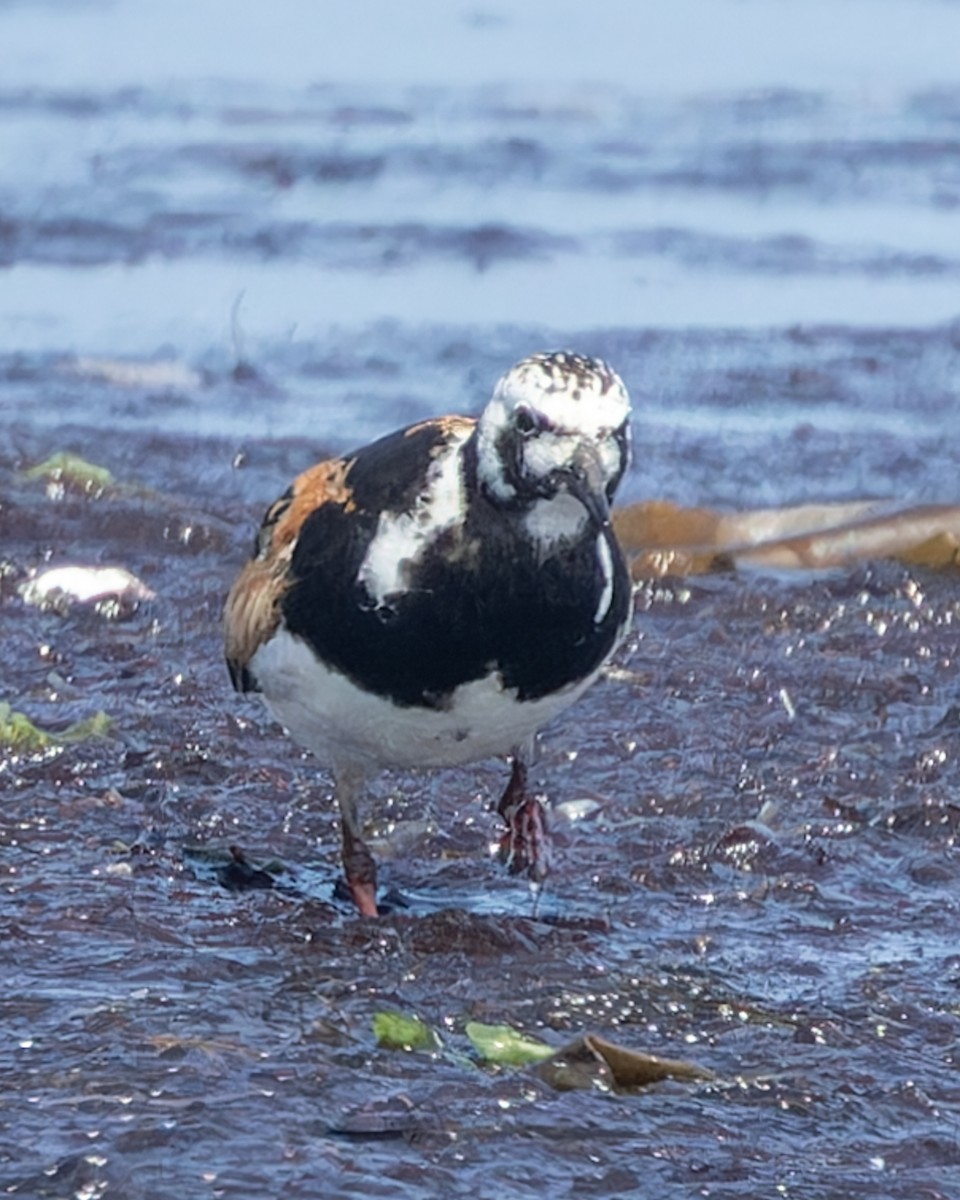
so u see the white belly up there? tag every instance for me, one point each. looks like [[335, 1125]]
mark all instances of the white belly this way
[[342, 725]]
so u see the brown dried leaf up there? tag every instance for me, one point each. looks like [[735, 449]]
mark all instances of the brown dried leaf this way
[[664, 539], [593, 1062]]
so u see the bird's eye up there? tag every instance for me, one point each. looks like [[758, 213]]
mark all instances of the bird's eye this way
[[525, 421]]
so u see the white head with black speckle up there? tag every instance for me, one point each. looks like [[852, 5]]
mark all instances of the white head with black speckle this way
[[557, 423]]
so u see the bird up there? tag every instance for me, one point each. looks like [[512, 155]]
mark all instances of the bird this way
[[438, 596]]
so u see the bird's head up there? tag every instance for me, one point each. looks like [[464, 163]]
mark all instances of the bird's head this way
[[557, 424]]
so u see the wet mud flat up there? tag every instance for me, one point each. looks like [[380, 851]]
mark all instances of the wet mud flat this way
[[230, 243], [755, 818]]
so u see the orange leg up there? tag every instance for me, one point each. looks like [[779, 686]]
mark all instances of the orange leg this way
[[361, 873], [358, 864]]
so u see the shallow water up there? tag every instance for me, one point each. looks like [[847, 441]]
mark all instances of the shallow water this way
[[231, 242]]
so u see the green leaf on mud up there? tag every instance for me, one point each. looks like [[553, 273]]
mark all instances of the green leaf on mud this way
[[398, 1031], [71, 469], [506, 1047], [18, 732]]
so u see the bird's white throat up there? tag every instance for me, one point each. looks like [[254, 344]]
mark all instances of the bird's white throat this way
[[555, 519]]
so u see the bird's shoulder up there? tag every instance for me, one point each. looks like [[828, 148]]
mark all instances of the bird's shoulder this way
[[323, 523]]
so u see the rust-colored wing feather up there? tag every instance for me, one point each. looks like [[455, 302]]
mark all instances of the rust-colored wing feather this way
[[252, 610]]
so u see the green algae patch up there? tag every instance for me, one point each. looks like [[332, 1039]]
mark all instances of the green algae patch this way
[[400, 1031], [18, 732], [70, 470], [505, 1047], [99, 725]]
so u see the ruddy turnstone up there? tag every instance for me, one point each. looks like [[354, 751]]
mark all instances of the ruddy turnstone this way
[[438, 596]]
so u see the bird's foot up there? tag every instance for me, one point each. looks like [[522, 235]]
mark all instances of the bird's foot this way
[[525, 847], [361, 875], [240, 875], [389, 902], [364, 897]]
